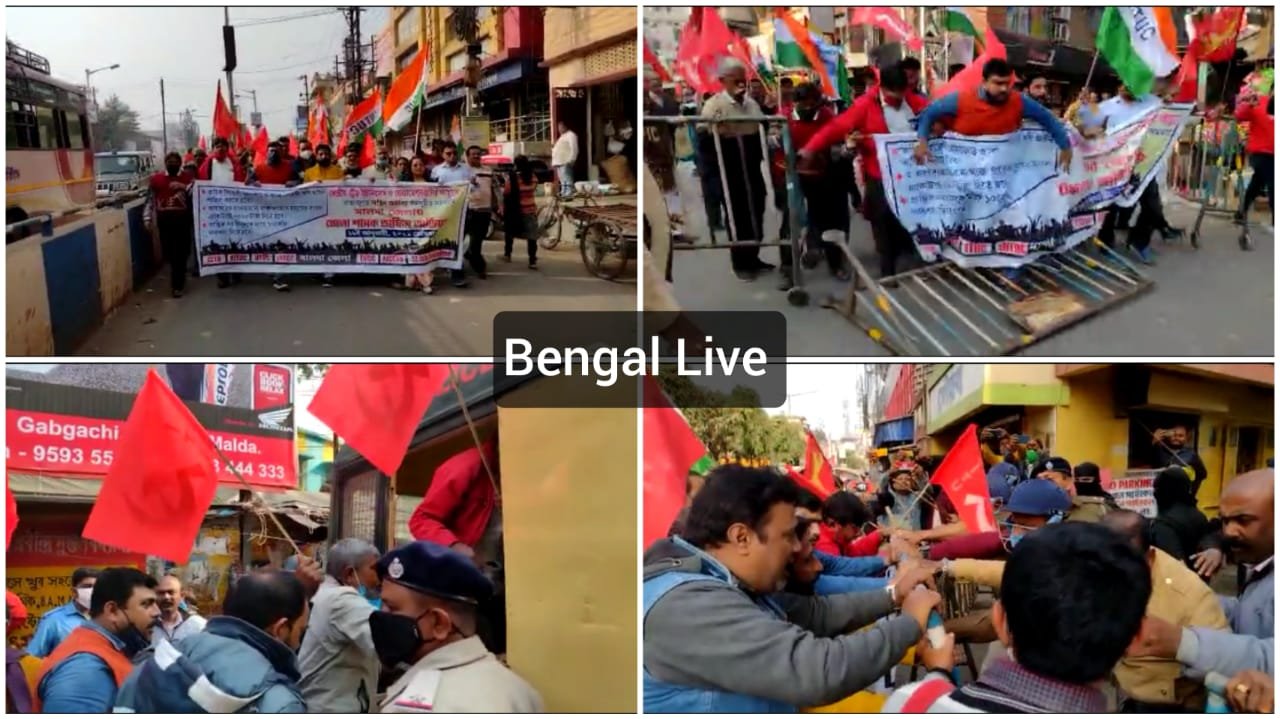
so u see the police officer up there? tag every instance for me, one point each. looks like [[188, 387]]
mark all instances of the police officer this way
[[430, 600]]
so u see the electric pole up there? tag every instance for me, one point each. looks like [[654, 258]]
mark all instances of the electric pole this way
[[229, 50], [164, 120]]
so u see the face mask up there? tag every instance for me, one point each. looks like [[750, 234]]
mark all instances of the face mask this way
[[740, 94], [173, 169], [373, 599], [220, 155], [395, 637], [383, 163], [305, 154], [1032, 456], [806, 114], [83, 595], [273, 157]]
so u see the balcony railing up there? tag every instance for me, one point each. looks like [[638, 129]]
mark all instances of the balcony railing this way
[[534, 127]]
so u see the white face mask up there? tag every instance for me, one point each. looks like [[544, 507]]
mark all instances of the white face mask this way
[[626, 133], [306, 154], [83, 595]]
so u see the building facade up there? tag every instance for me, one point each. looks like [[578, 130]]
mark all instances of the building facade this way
[[591, 57], [510, 103], [1105, 414]]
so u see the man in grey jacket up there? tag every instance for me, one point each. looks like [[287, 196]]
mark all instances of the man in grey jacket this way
[[1247, 511], [719, 635], [338, 664]]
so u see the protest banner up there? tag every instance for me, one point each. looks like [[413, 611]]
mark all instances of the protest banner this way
[[356, 227], [1001, 200]]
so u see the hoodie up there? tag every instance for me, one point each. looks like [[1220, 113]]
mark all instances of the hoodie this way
[[718, 634]]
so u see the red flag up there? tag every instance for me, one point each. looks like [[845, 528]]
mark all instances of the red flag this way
[[293, 144], [1188, 78], [704, 43], [10, 514], [1216, 34], [318, 124], [163, 479], [962, 478], [653, 62], [818, 477], [687, 61], [203, 145], [224, 123], [342, 145], [887, 19], [376, 408], [246, 139], [260, 146], [368, 151], [970, 78], [671, 449]]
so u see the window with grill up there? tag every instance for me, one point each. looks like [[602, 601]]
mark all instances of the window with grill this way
[[20, 126]]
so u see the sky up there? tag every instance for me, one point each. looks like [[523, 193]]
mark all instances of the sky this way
[[817, 393], [184, 45]]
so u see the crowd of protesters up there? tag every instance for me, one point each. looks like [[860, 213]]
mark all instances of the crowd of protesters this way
[[766, 597], [505, 198], [827, 138]]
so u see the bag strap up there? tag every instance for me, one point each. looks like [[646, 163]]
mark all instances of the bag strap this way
[[929, 691]]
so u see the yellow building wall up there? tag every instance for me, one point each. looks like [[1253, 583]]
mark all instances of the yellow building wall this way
[[443, 42], [571, 546], [1036, 374], [568, 29], [1088, 429]]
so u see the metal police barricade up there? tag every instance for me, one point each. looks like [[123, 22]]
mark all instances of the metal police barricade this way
[[946, 309], [743, 211], [1208, 167]]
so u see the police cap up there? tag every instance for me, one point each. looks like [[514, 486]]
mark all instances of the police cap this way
[[434, 569]]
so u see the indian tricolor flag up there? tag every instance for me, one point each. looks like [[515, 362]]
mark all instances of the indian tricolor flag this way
[[406, 93], [365, 118], [956, 19], [1140, 45], [796, 47]]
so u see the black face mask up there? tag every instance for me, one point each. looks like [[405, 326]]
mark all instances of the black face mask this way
[[134, 640], [173, 170], [273, 157], [396, 638], [806, 114]]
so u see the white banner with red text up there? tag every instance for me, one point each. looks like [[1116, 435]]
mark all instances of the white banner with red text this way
[[1002, 200], [357, 226]]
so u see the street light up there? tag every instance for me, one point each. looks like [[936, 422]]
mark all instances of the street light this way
[[88, 85]]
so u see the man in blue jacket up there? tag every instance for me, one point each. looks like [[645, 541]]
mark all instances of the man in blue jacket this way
[[82, 674], [244, 661], [57, 623]]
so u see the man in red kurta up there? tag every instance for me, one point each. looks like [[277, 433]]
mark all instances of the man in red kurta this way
[[458, 510], [171, 206], [889, 107]]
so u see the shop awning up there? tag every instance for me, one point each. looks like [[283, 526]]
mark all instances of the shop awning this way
[[1052, 57], [309, 509], [895, 431], [492, 77]]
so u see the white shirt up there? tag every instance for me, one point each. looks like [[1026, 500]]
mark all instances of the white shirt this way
[[373, 173], [445, 173], [1118, 112], [897, 118], [223, 172], [565, 151]]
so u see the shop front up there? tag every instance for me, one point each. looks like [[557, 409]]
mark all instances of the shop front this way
[[1115, 411], [1017, 398], [1065, 67], [594, 89]]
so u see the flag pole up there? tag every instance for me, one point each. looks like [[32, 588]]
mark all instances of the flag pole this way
[[226, 461], [1093, 64], [475, 434]]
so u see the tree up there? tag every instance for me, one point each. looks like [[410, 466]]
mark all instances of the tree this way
[[190, 136], [117, 122], [733, 424]]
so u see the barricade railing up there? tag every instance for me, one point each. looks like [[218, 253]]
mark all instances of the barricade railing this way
[[718, 184], [1208, 164], [45, 221]]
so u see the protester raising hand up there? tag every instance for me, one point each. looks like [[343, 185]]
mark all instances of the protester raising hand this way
[[309, 573]]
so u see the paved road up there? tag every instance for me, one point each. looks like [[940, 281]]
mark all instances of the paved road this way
[[358, 319], [1215, 301]]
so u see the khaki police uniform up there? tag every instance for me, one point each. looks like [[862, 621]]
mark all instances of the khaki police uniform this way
[[462, 677]]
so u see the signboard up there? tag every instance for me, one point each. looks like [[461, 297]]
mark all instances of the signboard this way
[[1002, 201], [475, 131], [272, 386], [960, 381], [353, 226], [66, 418], [1135, 490], [569, 93]]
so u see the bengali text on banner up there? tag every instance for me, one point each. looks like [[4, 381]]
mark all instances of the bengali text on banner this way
[[1002, 201], [353, 227]]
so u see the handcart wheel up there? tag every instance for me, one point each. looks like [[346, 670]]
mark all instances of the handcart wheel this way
[[1195, 239], [1246, 240], [798, 296]]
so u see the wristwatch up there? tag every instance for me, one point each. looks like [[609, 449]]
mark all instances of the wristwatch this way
[[893, 595], [946, 567]]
